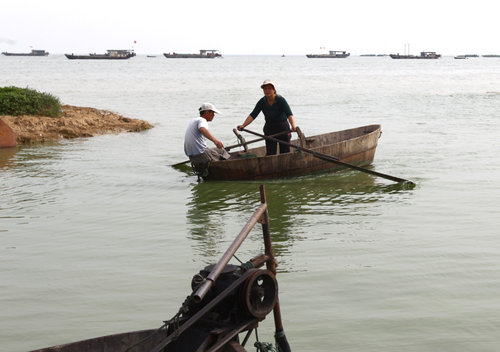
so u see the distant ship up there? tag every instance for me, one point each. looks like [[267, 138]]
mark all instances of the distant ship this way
[[372, 55], [423, 55], [110, 55], [204, 54], [332, 54], [490, 55], [33, 53]]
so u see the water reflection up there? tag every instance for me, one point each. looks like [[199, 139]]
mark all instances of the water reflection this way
[[7, 157], [30, 176], [291, 203]]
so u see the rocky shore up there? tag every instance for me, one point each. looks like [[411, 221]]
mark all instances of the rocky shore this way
[[74, 122]]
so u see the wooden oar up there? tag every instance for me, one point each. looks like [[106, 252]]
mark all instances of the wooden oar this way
[[333, 159], [239, 145]]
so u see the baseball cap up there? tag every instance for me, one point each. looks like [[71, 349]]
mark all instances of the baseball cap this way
[[208, 106], [266, 82]]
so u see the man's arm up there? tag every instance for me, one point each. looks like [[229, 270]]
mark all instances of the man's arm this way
[[210, 136]]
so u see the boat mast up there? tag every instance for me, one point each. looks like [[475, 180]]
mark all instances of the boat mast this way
[[407, 48]]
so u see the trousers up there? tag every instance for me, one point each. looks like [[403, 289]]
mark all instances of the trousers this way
[[272, 146]]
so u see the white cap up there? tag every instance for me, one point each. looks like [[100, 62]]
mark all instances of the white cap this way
[[208, 106], [266, 82]]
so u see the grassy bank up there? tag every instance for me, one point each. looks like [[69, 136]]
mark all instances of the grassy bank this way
[[24, 101]]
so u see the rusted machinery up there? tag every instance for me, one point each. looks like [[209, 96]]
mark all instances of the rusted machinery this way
[[226, 301]]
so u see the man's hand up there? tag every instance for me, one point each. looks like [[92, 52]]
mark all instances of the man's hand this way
[[218, 144]]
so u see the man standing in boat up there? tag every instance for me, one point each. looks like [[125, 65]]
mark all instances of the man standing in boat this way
[[195, 145], [277, 113]]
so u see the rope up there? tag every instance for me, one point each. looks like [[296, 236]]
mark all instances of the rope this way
[[174, 323], [238, 259], [263, 346], [184, 309], [279, 334], [247, 266]]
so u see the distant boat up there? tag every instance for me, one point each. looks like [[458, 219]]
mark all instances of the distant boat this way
[[32, 53], [490, 55], [204, 54], [423, 55], [110, 55], [332, 54], [151, 55], [461, 57]]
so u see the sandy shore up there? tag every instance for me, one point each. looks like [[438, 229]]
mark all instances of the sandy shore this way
[[74, 122]]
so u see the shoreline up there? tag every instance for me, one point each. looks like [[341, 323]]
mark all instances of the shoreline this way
[[75, 122]]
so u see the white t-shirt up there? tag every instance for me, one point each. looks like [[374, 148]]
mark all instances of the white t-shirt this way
[[194, 141]]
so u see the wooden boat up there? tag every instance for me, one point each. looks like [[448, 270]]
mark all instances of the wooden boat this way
[[332, 54], [423, 55], [109, 55], [204, 54], [354, 146], [32, 53], [226, 300]]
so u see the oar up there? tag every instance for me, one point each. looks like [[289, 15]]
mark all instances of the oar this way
[[239, 145], [333, 159]]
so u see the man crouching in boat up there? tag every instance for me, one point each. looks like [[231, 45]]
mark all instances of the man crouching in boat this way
[[195, 146]]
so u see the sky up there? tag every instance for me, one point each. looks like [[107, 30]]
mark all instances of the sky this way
[[256, 27]]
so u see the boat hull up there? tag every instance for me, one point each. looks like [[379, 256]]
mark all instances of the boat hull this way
[[326, 56], [33, 53], [98, 57], [113, 343], [412, 57], [191, 56], [424, 55], [354, 146]]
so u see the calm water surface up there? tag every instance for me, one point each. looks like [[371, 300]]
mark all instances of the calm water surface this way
[[100, 235]]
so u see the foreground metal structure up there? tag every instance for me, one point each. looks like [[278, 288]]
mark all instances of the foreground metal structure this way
[[226, 300]]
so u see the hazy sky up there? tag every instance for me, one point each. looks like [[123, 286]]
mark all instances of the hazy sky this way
[[292, 27]]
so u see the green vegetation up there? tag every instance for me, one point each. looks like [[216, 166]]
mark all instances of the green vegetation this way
[[24, 101]]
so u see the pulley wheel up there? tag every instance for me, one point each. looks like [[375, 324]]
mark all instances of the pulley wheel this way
[[260, 293]]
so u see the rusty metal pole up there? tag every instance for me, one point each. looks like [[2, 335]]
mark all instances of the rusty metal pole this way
[[279, 335], [226, 257]]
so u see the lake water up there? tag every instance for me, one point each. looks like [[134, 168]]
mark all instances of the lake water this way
[[100, 235]]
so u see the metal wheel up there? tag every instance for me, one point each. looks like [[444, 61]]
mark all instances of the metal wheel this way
[[260, 293]]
